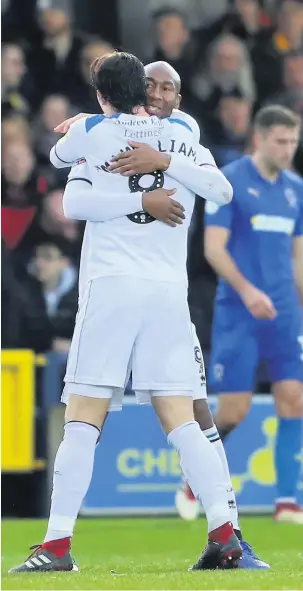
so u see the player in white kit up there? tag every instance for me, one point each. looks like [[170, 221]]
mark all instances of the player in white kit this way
[[133, 313], [163, 93]]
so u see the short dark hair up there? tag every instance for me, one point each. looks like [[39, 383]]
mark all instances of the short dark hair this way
[[273, 115], [169, 11], [120, 78], [58, 242]]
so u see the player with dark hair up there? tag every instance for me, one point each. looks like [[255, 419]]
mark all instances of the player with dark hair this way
[[133, 270], [163, 91], [120, 79], [255, 245]]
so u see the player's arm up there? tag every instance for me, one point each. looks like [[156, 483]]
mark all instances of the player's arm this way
[[65, 125], [82, 202], [298, 264], [218, 225], [203, 177], [298, 253], [71, 147]]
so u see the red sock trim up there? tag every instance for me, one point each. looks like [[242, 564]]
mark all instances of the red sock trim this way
[[222, 533], [57, 547]]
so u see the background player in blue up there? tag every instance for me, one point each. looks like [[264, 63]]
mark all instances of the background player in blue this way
[[255, 244]]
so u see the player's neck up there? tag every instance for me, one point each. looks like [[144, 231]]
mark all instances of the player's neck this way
[[140, 112], [137, 111], [269, 173]]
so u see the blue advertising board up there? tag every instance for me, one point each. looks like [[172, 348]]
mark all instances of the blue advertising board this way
[[136, 472]]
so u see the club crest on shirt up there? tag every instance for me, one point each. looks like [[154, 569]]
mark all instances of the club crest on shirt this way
[[253, 192], [291, 197], [80, 161]]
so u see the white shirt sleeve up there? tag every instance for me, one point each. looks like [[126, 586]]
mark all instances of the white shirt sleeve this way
[[193, 124], [202, 177], [70, 147], [82, 202]]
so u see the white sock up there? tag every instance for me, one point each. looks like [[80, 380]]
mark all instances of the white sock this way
[[214, 437], [203, 471], [72, 475]]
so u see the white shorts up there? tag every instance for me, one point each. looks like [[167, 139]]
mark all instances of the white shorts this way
[[133, 325]]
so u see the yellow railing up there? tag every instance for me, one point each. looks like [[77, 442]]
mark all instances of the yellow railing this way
[[18, 411]]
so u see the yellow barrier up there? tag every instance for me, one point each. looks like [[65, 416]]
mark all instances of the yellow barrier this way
[[18, 411]]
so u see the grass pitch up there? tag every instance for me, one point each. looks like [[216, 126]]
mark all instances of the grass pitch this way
[[154, 554]]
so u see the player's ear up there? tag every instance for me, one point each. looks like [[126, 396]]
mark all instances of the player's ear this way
[[178, 102], [100, 99]]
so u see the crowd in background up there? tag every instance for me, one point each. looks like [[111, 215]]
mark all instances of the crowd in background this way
[[232, 56]]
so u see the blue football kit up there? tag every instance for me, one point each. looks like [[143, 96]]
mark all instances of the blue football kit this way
[[263, 219]]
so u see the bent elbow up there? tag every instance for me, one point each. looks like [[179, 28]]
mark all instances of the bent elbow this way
[[55, 161], [222, 193], [68, 209], [228, 192]]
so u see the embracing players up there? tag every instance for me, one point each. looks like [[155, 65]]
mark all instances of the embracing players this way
[[133, 313], [163, 92]]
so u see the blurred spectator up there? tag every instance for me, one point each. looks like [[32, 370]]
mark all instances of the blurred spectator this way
[[228, 69], [19, 21], [15, 129], [55, 109], [51, 292], [82, 94], [228, 137], [248, 22], [176, 45], [201, 13], [23, 184], [268, 54], [292, 94], [54, 60], [172, 36], [10, 302], [50, 224], [289, 33], [15, 85]]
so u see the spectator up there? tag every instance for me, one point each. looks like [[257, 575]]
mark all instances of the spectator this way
[[201, 13], [10, 303], [292, 95], [227, 70], [15, 129], [81, 94], [268, 55], [51, 291], [23, 183], [289, 33], [230, 130], [50, 224], [176, 45], [55, 109], [23, 188], [55, 59], [247, 22], [15, 89]]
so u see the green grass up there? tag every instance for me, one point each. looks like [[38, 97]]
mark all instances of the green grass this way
[[154, 554]]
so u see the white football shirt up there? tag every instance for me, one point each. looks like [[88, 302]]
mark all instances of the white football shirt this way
[[135, 245]]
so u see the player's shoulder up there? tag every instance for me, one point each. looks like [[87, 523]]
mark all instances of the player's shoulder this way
[[94, 121], [233, 168], [294, 179], [186, 120]]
